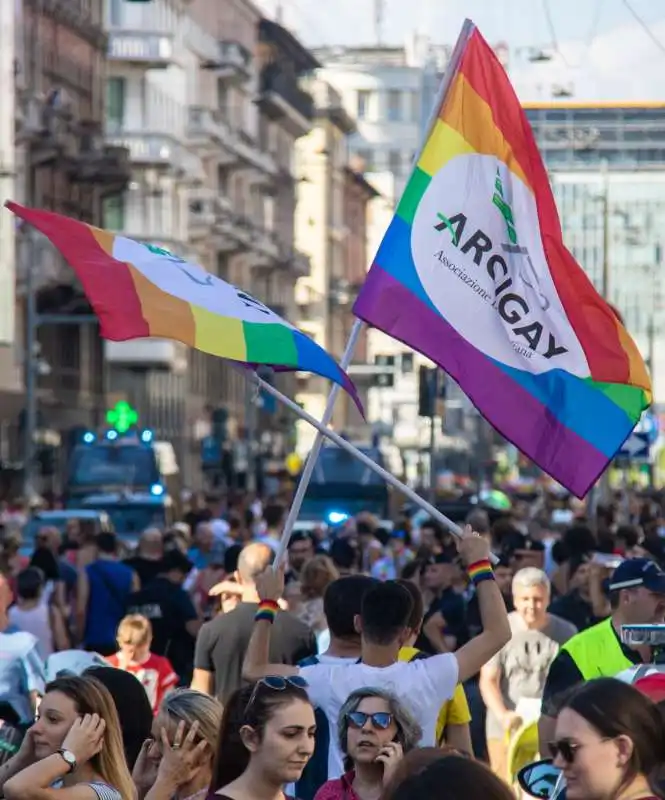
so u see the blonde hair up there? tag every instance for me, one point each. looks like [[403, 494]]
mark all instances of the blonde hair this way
[[317, 573], [92, 697], [134, 629], [190, 706]]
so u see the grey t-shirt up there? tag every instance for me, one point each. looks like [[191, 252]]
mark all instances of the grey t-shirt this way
[[524, 662]]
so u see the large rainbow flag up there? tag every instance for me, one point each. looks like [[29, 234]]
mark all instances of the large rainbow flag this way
[[140, 291], [474, 274]]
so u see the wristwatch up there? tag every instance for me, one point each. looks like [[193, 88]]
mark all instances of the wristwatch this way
[[69, 758]]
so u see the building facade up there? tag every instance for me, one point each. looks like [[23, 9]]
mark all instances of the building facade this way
[[323, 296], [61, 163], [206, 97], [607, 168]]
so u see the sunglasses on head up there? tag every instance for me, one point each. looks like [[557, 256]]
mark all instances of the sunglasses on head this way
[[380, 719], [276, 683]]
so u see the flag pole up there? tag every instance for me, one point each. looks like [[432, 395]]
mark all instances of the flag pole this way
[[306, 476], [360, 456]]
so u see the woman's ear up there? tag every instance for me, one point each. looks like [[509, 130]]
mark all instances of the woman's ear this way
[[625, 749], [249, 738]]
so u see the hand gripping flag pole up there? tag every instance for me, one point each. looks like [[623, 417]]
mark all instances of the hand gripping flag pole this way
[[364, 459]]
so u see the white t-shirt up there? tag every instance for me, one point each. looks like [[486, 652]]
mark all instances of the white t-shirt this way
[[422, 685]]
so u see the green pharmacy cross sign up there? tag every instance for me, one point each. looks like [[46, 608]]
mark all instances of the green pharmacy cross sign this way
[[122, 416]]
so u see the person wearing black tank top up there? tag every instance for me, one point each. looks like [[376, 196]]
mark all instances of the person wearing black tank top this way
[[265, 741]]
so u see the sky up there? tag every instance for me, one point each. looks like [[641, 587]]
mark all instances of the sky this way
[[598, 45]]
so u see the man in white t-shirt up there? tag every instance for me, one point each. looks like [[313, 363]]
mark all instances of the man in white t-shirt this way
[[423, 685]]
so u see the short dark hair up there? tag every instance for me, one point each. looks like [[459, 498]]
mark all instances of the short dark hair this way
[[418, 610], [29, 583], [106, 542], [273, 515], [343, 554], [342, 603], [385, 612]]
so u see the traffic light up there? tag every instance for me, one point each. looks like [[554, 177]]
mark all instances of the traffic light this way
[[431, 392]]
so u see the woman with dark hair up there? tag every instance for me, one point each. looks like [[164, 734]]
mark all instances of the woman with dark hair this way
[[133, 707], [609, 742], [455, 777], [265, 740]]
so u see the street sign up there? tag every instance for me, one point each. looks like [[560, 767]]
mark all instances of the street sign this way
[[648, 425], [635, 448]]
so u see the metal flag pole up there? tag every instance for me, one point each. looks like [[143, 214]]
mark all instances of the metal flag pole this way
[[360, 456], [306, 476]]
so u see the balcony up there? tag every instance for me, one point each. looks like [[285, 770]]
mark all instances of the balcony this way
[[141, 48], [162, 354], [297, 262], [202, 212], [232, 233], [282, 100], [233, 62], [252, 156], [156, 151], [266, 251], [207, 130]]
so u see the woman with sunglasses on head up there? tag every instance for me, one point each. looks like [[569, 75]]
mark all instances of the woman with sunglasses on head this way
[[375, 731], [609, 742], [265, 741], [175, 762], [74, 749]]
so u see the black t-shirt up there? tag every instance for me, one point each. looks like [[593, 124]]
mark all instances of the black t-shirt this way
[[169, 608], [146, 568], [453, 609], [575, 609], [222, 643], [564, 674]]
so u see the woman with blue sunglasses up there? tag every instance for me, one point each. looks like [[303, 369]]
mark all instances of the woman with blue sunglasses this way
[[375, 731]]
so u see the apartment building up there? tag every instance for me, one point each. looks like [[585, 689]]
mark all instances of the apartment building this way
[[331, 227], [61, 163], [206, 98]]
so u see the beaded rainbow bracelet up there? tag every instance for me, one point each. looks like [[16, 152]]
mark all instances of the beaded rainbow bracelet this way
[[480, 571], [267, 611]]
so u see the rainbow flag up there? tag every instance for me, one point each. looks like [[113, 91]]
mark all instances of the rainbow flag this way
[[474, 274], [140, 290]]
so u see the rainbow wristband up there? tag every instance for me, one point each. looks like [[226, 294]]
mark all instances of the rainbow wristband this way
[[480, 571], [267, 611]]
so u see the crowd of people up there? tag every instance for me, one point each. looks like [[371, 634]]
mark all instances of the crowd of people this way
[[369, 664]]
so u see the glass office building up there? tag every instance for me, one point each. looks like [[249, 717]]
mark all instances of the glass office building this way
[[607, 168]]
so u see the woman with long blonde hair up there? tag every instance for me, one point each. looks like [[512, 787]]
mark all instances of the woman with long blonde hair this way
[[176, 761], [73, 751]]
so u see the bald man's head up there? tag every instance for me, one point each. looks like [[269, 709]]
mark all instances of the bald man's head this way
[[151, 543], [252, 561]]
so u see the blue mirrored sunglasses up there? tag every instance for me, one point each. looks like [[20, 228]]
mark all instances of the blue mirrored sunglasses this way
[[277, 683], [380, 719]]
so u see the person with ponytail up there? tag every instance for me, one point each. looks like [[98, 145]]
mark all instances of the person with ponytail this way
[[609, 742], [265, 741]]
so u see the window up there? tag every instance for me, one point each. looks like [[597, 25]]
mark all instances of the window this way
[[222, 97], [415, 107], [394, 105], [395, 162], [367, 160], [113, 212], [364, 98], [115, 103], [115, 12]]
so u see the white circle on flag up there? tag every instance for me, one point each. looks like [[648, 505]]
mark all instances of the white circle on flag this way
[[478, 253]]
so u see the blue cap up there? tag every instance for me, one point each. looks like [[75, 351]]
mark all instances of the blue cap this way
[[636, 572]]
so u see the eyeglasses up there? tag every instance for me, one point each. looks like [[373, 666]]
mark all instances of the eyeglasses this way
[[379, 719], [276, 683], [566, 749]]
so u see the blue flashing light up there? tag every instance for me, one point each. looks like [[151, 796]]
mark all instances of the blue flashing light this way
[[156, 490], [111, 435], [88, 437], [147, 436], [336, 517]]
